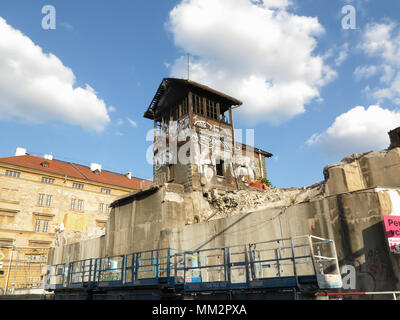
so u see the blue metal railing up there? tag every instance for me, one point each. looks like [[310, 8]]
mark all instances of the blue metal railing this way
[[275, 263]]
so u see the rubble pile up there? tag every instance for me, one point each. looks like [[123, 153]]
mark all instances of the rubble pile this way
[[252, 199]]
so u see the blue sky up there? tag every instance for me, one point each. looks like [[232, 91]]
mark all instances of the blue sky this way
[[309, 114]]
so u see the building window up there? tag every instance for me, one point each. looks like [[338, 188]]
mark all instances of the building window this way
[[45, 225], [198, 104], [220, 168], [80, 205], [73, 204], [37, 225], [76, 205], [77, 185], [224, 117], [36, 257], [41, 226], [106, 191], [104, 208], [41, 198], [185, 108], [47, 180], [13, 174], [48, 200], [212, 109], [45, 164]]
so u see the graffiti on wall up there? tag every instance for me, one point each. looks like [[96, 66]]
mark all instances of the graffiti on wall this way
[[375, 265], [204, 145]]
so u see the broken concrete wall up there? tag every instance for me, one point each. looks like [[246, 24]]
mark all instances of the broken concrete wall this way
[[344, 209], [93, 248], [356, 220], [362, 171], [135, 224], [353, 220]]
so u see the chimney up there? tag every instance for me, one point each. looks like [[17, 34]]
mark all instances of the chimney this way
[[95, 167], [20, 151], [128, 175], [48, 156]]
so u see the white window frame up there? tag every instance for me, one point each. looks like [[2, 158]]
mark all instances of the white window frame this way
[[41, 199], [80, 205], [48, 180], [77, 185], [48, 200], [14, 174], [105, 190], [45, 226], [37, 225]]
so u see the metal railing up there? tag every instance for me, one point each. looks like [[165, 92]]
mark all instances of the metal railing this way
[[284, 262]]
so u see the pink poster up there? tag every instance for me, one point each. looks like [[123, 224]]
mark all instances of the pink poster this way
[[392, 228]]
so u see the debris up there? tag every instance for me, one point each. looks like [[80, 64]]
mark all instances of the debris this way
[[251, 199]]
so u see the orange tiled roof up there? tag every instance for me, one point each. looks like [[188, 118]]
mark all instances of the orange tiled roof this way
[[75, 171]]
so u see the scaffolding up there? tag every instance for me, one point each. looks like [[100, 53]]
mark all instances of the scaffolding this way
[[22, 268]]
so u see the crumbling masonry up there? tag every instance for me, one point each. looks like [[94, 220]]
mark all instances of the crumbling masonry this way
[[348, 206]]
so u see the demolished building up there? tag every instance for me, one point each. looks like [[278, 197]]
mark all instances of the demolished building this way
[[194, 139], [187, 213]]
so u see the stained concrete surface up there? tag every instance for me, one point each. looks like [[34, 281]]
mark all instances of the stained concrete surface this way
[[349, 210]]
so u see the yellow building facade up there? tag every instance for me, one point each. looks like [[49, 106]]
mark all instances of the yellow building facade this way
[[38, 196]]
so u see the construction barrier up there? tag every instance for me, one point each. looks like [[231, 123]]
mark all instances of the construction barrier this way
[[340, 295]]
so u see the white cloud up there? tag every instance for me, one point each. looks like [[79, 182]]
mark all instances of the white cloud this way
[[133, 123], [343, 54], [256, 51], [119, 134], [314, 139], [358, 130], [365, 72], [111, 109], [67, 26], [382, 41], [36, 87], [273, 3]]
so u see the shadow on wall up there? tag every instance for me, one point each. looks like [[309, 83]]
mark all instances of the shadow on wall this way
[[374, 269]]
